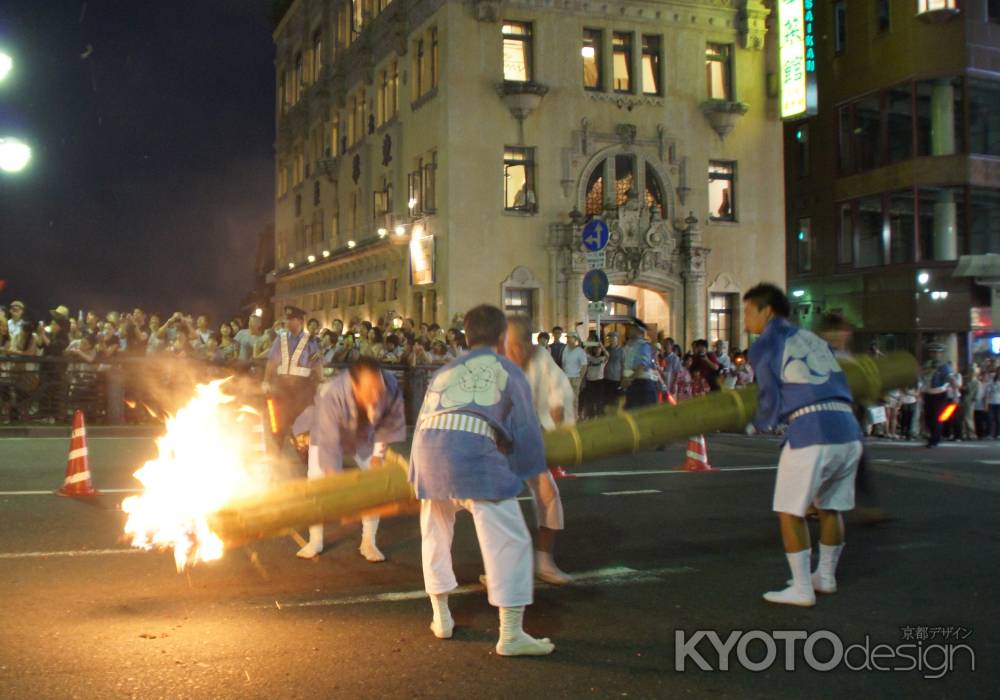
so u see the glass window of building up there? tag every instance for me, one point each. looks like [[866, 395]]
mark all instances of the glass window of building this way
[[415, 189], [941, 212], [595, 192], [517, 51], [382, 98], [624, 179], [317, 54], [430, 183], [868, 132], [393, 89], [870, 232], [435, 63], [591, 53], [719, 70], [518, 301], [899, 118], [984, 221], [939, 117], [519, 179], [845, 135], [419, 60], [300, 78], [882, 19], [902, 227], [803, 245], [654, 192], [984, 117], [722, 190], [845, 234], [934, 5], [651, 64], [720, 317], [621, 45], [839, 26]]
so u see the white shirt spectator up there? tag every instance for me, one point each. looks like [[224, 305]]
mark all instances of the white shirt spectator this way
[[595, 367], [550, 389], [247, 342], [574, 361]]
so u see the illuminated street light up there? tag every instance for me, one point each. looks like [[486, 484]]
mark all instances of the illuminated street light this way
[[400, 230], [311, 258], [922, 278], [382, 233], [258, 312], [798, 293], [351, 244], [14, 155], [326, 253], [6, 65]]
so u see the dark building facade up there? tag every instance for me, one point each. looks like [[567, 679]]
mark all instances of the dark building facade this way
[[893, 186]]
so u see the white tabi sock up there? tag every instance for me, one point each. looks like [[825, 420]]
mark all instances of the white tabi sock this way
[[825, 578], [368, 549], [514, 641], [442, 625], [801, 591], [315, 545]]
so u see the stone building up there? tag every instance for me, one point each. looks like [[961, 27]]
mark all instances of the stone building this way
[[435, 154]]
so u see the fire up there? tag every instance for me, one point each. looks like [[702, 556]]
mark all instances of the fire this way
[[204, 459]]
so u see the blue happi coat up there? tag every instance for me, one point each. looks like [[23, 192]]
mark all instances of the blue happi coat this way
[[334, 423], [458, 464], [795, 369]]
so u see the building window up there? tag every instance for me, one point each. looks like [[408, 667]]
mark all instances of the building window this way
[[719, 70], [720, 317], [802, 149], [334, 150], [415, 189], [300, 76], [382, 98], [622, 62], [868, 132], [870, 232], [722, 190], [382, 290], [845, 234], [518, 301], [594, 204], [941, 220], [654, 192], [519, 179], [316, 193], [933, 5], [393, 89], [803, 245], [435, 58], [361, 294], [430, 183], [394, 289], [651, 64], [591, 52], [984, 221], [418, 69], [839, 26], [882, 19], [902, 227], [352, 298], [317, 54], [380, 204], [899, 115], [517, 51], [624, 179], [984, 117]]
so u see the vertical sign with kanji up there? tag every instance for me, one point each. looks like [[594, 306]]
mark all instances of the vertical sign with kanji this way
[[797, 57]]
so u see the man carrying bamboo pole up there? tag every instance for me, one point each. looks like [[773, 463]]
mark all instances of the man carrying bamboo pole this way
[[801, 384], [359, 412], [477, 441]]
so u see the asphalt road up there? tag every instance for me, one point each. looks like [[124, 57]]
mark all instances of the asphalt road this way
[[657, 552]]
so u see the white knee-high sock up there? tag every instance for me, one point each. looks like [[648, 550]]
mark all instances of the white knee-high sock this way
[[798, 562], [511, 621], [514, 641], [316, 537], [442, 625], [829, 555]]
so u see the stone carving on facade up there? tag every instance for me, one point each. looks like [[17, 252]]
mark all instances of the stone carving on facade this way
[[487, 10], [626, 133], [753, 24]]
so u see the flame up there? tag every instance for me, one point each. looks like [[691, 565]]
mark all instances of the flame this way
[[204, 460], [130, 403], [947, 413]]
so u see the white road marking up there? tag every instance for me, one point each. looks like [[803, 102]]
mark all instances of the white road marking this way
[[52, 492], [990, 461], [629, 493], [652, 472], [616, 575], [71, 553]]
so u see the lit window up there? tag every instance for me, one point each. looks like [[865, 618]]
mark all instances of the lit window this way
[[300, 78], [382, 101], [624, 179], [719, 70], [393, 96], [516, 51], [803, 245], [415, 189], [591, 53], [720, 318], [418, 69], [435, 57], [651, 64], [654, 192], [518, 301], [934, 5], [722, 190], [622, 55], [519, 179], [595, 192]]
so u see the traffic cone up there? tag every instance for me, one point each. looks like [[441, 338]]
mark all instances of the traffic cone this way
[[78, 482], [560, 473], [696, 459]]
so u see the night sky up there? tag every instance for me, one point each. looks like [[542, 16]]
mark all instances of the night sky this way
[[152, 124]]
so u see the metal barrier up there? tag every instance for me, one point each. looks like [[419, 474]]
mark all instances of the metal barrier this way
[[142, 390]]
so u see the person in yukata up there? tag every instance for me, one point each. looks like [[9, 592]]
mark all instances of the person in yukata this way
[[477, 440]]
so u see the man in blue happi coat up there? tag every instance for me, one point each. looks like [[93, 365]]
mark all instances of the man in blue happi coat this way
[[358, 413], [477, 440], [802, 385]]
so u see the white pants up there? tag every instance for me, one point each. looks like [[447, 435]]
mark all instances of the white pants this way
[[548, 504], [503, 541], [821, 475], [325, 461]]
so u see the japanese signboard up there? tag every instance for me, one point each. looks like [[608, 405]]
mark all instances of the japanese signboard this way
[[797, 57]]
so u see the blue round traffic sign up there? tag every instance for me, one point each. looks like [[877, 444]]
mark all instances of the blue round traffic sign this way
[[595, 285], [595, 235]]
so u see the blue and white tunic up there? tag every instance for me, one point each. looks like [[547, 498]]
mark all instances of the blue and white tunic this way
[[477, 436], [801, 383]]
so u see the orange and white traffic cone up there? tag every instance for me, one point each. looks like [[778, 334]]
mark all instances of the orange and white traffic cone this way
[[696, 459], [78, 482]]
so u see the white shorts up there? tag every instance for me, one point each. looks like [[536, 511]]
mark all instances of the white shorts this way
[[820, 475]]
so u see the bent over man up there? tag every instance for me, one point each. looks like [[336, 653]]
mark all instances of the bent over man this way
[[477, 440]]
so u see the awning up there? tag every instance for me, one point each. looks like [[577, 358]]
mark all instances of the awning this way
[[985, 268]]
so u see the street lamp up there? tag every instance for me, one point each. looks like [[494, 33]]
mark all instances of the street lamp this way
[[14, 155], [6, 65]]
